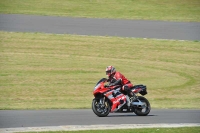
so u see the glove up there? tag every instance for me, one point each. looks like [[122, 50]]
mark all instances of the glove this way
[[106, 86]]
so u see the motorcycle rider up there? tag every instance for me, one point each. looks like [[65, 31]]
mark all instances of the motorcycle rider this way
[[116, 78]]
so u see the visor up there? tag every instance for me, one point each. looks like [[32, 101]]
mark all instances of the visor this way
[[108, 72]]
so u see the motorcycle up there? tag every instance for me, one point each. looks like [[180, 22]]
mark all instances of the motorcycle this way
[[110, 99]]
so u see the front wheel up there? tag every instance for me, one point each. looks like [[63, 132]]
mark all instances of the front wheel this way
[[144, 108], [100, 108]]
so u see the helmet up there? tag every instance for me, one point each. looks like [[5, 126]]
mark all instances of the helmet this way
[[110, 70]]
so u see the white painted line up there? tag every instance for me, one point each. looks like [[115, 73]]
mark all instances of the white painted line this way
[[95, 127]]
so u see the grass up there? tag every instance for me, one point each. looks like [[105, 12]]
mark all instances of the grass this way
[[42, 71], [145, 130], [173, 10]]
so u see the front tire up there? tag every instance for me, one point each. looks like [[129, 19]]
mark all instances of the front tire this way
[[143, 110], [99, 109]]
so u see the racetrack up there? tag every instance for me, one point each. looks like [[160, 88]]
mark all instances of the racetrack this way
[[100, 27], [84, 117]]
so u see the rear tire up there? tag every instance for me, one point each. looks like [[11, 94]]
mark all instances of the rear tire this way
[[99, 109], [145, 110]]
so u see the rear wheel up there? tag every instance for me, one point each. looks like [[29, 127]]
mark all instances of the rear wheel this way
[[99, 108], [144, 109]]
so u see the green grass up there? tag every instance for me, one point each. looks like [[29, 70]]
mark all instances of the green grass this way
[[175, 10], [145, 130], [42, 71]]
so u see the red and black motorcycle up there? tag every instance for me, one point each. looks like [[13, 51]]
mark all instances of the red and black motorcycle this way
[[111, 99]]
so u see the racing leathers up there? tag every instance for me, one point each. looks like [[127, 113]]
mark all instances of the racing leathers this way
[[120, 79]]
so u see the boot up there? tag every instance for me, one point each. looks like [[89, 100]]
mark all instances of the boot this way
[[132, 96], [128, 101], [130, 93]]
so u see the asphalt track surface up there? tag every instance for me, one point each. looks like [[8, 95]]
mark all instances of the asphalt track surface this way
[[99, 27], [39, 118]]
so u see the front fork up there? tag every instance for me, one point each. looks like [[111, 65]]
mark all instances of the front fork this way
[[101, 106], [102, 101]]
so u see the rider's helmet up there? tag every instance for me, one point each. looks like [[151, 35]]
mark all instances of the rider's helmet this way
[[110, 71]]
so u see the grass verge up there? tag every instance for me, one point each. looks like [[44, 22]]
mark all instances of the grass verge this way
[[41, 71], [145, 130], [176, 10]]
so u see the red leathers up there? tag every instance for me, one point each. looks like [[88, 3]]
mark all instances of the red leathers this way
[[116, 78], [120, 77]]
